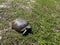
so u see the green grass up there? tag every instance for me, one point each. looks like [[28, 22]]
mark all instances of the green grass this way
[[43, 17]]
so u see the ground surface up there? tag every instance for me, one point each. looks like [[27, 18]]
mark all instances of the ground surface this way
[[43, 16]]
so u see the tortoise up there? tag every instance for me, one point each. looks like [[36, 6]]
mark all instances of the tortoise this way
[[21, 26]]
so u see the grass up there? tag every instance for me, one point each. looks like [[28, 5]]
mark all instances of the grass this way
[[43, 17]]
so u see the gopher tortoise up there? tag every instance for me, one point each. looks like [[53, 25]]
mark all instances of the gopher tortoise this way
[[21, 26]]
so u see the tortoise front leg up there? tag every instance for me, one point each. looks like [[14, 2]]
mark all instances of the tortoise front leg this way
[[25, 32]]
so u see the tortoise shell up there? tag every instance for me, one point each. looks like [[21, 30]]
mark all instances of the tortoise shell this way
[[19, 24]]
